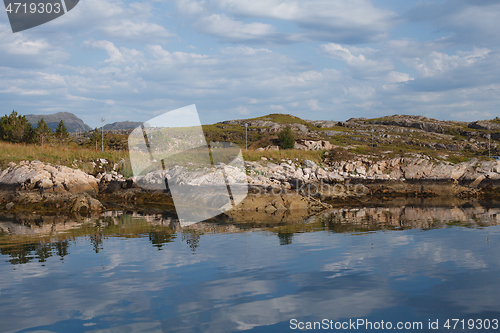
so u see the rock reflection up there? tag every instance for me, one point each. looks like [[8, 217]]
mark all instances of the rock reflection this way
[[393, 218], [28, 237]]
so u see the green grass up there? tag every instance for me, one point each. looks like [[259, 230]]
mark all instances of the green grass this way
[[286, 119], [379, 119], [457, 159], [313, 155], [61, 155], [336, 128]]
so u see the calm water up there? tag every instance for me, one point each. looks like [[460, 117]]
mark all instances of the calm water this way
[[127, 273]]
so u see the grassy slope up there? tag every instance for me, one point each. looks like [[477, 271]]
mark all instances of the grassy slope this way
[[61, 155], [357, 140]]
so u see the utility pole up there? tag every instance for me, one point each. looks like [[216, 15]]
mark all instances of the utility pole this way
[[372, 130], [489, 145], [246, 136], [102, 133]]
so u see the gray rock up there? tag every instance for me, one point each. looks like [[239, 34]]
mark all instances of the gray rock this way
[[332, 133], [86, 202], [299, 127], [313, 145], [310, 164], [334, 177], [58, 179], [485, 125]]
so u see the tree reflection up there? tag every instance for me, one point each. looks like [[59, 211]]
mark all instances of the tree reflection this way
[[96, 241], [285, 238], [192, 239], [62, 248], [20, 253], [43, 252], [160, 237]]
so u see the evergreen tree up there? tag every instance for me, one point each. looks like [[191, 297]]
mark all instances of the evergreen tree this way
[[15, 128], [42, 132], [61, 133], [95, 138], [287, 140]]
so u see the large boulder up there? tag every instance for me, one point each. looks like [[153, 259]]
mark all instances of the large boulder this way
[[36, 175], [313, 145], [485, 125]]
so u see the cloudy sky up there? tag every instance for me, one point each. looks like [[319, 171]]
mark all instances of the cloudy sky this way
[[316, 59]]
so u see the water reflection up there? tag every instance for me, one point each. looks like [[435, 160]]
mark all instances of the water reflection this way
[[123, 271], [32, 237]]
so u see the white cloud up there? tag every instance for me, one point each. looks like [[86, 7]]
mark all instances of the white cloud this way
[[359, 62], [229, 29], [22, 50], [241, 110], [277, 107], [330, 20], [112, 50], [438, 62], [345, 21], [190, 7], [313, 105], [116, 55], [468, 22], [113, 19], [132, 30], [338, 52]]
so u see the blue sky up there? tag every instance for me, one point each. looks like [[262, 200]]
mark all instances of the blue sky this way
[[316, 59]]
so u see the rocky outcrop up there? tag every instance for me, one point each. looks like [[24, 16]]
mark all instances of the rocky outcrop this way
[[39, 186], [293, 183], [36, 175], [269, 148], [289, 173], [418, 122], [267, 126], [86, 203], [485, 125], [313, 145], [323, 123]]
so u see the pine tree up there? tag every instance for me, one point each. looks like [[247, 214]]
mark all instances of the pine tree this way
[[95, 137], [61, 133], [15, 128], [287, 140], [42, 132]]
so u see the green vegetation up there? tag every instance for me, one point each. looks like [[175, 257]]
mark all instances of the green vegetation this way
[[42, 132], [286, 119], [289, 154], [335, 128], [457, 159], [20, 141], [61, 133], [15, 128], [16, 152], [287, 139]]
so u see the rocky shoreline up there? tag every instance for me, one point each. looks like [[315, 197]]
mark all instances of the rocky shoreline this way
[[275, 187]]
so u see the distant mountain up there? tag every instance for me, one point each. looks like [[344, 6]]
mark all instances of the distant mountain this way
[[121, 125], [72, 122]]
